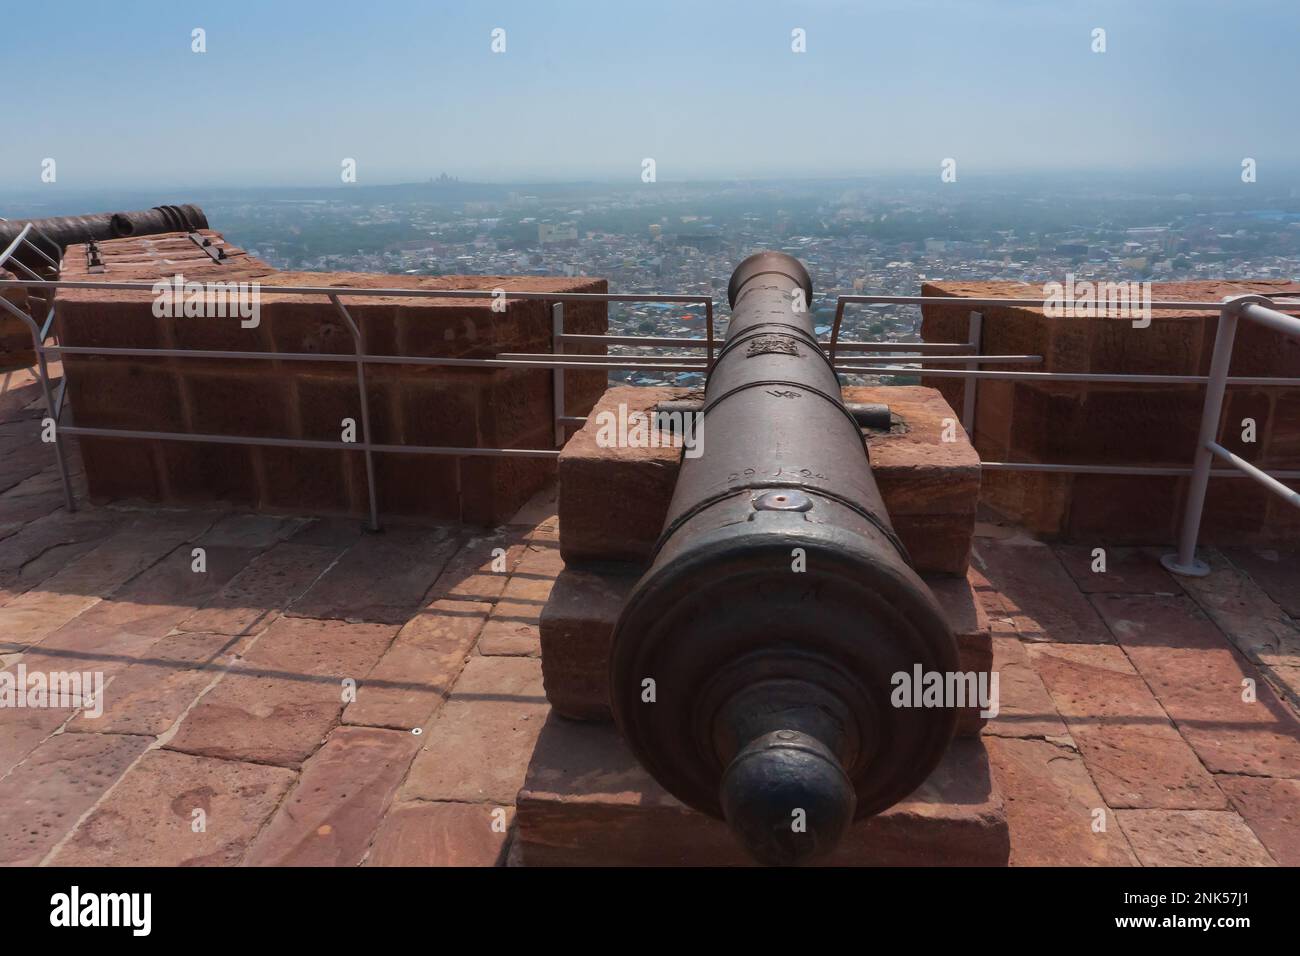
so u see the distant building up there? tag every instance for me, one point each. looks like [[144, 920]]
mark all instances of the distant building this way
[[550, 234]]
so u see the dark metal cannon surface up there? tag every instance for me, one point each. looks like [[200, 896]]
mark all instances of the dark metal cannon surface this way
[[67, 230], [752, 667]]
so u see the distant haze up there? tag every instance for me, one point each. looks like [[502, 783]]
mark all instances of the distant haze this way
[[410, 89]]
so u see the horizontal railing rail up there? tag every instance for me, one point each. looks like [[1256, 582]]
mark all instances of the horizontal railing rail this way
[[898, 358], [359, 357]]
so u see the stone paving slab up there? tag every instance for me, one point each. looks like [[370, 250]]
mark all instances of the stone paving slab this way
[[513, 629], [174, 809], [1131, 748], [1271, 808], [1027, 592], [479, 571], [1025, 707], [442, 834], [286, 694], [22, 730], [1102, 570], [1276, 572], [148, 696], [477, 748], [79, 586], [1259, 628], [382, 578], [1192, 838], [1056, 815], [339, 801], [417, 672], [1217, 699], [61, 779], [42, 547], [260, 592]]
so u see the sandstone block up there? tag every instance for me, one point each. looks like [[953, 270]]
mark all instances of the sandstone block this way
[[1192, 838], [382, 578], [1198, 677], [61, 779], [148, 819], [587, 802], [577, 630], [442, 834], [1134, 753], [1271, 808], [417, 671], [613, 501], [477, 748], [1052, 806], [339, 801]]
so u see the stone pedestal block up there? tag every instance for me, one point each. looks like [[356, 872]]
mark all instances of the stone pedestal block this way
[[577, 629], [587, 802], [613, 500]]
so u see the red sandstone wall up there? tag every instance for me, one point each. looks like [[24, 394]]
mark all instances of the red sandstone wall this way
[[409, 405], [1090, 423], [15, 337]]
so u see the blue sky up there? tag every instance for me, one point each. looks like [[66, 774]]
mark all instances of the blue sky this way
[[409, 89]]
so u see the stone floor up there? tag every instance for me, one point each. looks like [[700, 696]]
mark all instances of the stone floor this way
[[317, 695]]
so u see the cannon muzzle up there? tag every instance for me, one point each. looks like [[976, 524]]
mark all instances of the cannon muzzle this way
[[753, 665]]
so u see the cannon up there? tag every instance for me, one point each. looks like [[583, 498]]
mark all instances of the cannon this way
[[67, 230], [752, 666]]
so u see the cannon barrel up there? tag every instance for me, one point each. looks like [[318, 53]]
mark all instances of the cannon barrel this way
[[67, 230], [753, 664]]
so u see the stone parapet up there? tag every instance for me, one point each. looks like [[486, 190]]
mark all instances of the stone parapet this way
[[1124, 424], [16, 349], [408, 404]]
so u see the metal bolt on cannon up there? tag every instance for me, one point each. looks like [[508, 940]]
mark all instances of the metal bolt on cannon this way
[[779, 603]]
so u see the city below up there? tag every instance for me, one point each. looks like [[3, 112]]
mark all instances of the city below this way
[[879, 236]]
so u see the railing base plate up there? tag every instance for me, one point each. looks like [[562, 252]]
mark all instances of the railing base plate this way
[[1197, 568]]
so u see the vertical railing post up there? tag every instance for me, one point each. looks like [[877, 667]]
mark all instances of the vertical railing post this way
[[359, 342], [708, 333], [835, 329], [60, 454], [974, 336], [1185, 561], [557, 374], [43, 373]]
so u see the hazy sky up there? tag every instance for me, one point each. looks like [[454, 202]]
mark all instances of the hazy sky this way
[[411, 88]]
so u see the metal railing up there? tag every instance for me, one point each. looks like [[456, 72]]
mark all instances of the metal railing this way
[[1252, 306], [359, 357], [906, 358], [1256, 309]]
